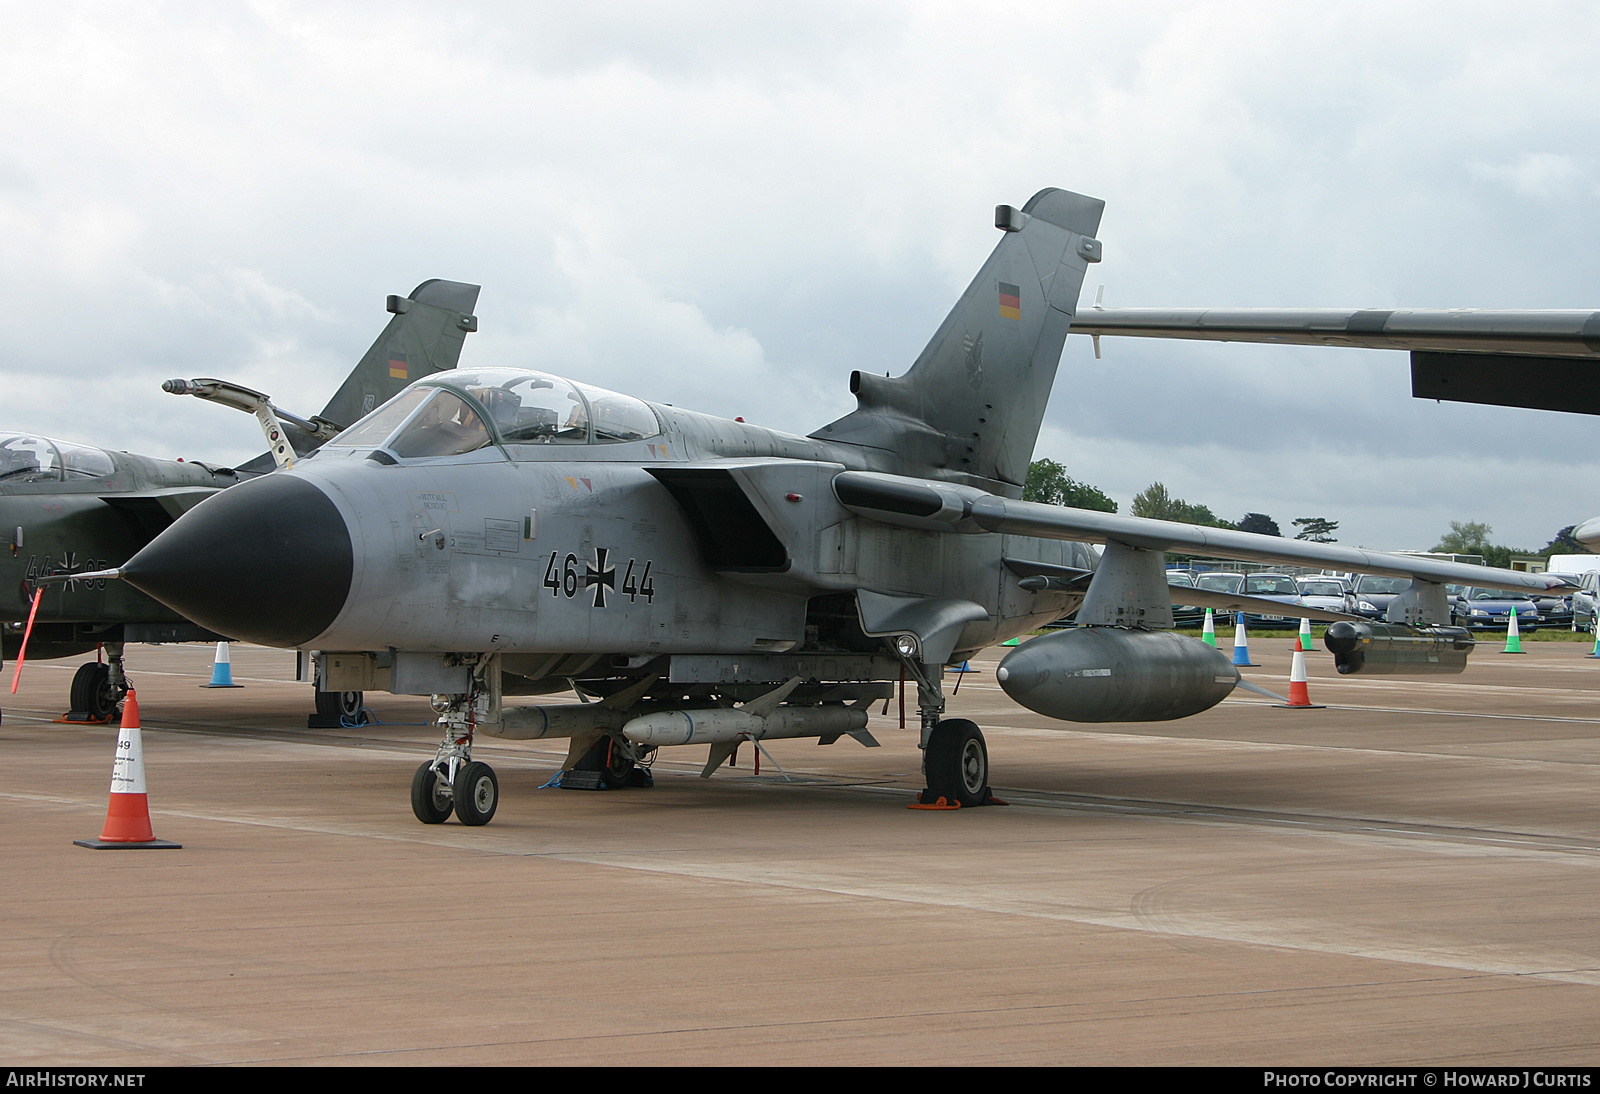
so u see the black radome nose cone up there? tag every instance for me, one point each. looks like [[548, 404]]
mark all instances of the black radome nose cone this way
[[266, 561]]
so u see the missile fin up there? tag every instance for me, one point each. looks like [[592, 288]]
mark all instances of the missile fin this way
[[628, 696], [720, 751], [1259, 690], [763, 705]]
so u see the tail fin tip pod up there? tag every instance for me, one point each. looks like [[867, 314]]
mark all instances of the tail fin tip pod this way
[[970, 406]]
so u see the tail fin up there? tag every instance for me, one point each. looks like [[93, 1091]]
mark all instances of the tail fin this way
[[971, 405], [424, 337]]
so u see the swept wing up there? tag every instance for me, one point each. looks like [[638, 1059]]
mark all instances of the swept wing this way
[[940, 506]]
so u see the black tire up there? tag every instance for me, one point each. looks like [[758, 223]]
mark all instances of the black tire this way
[[345, 705], [615, 763], [92, 693], [956, 762], [428, 798], [477, 792]]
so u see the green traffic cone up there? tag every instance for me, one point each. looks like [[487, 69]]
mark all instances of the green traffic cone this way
[[1305, 635], [1513, 635], [1208, 633], [1012, 642]]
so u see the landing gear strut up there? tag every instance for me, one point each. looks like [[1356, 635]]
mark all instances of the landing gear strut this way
[[453, 780], [955, 758]]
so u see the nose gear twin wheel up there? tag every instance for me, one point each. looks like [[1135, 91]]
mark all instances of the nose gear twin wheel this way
[[476, 793], [430, 796], [472, 797]]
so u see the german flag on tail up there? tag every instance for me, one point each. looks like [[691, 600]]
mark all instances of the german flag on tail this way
[[1010, 301], [397, 367]]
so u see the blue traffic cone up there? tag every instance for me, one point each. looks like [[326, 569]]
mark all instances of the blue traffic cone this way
[[1241, 646], [222, 670]]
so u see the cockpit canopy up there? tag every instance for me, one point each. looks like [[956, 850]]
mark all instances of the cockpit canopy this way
[[26, 458], [454, 412]]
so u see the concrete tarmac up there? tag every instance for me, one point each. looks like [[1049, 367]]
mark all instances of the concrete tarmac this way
[[1408, 877]]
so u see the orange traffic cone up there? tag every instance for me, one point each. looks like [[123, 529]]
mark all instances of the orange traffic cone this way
[[1299, 697], [128, 813]]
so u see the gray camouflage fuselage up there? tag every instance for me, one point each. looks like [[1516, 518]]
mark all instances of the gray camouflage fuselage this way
[[545, 549]]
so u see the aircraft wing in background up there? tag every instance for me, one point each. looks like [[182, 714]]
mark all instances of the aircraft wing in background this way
[[1526, 358]]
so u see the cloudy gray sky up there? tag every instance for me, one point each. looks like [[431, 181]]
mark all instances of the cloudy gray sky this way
[[730, 206]]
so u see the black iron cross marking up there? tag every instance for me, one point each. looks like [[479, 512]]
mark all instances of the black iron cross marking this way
[[600, 576]]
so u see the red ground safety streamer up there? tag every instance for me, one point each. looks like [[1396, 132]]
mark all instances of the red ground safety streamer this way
[[22, 654]]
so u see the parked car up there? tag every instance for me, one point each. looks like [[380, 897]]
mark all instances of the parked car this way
[[1555, 609], [1280, 587], [1586, 601], [1332, 594], [1185, 615], [1219, 581], [1490, 609], [1373, 593]]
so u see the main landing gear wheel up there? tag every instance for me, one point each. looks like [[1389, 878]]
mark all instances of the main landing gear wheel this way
[[956, 763], [476, 792], [617, 765], [430, 797], [344, 705], [92, 693]]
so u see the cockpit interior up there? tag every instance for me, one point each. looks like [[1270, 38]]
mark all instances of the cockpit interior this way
[[449, 414], [28, 458]]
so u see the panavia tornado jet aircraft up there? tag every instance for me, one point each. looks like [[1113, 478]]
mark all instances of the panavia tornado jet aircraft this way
[[497, 534], [69, 509]]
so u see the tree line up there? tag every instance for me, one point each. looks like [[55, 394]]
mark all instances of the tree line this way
[[1049, 482]]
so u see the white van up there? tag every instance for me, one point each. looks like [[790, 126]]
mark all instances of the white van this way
[[1572, 564]]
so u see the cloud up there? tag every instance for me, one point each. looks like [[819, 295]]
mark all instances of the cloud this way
[[717, 206], [1541, 175]]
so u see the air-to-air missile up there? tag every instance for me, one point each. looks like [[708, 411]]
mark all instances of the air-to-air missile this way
[[495, 535]]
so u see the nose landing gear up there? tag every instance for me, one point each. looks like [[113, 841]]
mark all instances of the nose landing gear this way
[[97, 688], [453, 781]]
